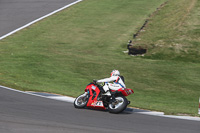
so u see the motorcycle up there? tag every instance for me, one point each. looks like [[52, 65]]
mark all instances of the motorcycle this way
[[114, 100]]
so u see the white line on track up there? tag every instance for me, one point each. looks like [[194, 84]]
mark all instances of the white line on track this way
[[12, 32], [20, 91], [59, 98], [70, 99], [162, 114], [63, 98]]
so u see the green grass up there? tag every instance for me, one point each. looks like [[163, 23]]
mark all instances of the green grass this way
[[173, 33], [64, 52]]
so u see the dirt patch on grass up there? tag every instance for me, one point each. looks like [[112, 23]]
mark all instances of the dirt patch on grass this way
[[141, 50], [147, 20]]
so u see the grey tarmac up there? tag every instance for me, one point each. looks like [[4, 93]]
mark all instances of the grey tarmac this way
[[17, 13], [24, 113]]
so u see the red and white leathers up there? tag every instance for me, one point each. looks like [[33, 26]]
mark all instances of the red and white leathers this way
[[117, 83]]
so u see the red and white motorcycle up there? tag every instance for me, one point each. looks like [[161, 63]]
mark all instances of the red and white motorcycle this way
[[93, 98]]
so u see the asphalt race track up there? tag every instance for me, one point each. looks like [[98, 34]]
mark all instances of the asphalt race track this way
[[16, 13], [24, 113]]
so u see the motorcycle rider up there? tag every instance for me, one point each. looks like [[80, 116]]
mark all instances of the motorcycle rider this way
[[117, 82]]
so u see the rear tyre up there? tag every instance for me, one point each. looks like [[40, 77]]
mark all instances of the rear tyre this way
[[81, 101], [118, 105]]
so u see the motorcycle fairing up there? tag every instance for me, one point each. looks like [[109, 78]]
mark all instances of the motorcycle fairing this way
[[93, 95]]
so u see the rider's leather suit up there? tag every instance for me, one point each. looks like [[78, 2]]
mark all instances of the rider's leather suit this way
[[117, 83]]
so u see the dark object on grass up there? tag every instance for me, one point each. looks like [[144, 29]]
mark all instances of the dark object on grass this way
[[133, 50], [137, 51]]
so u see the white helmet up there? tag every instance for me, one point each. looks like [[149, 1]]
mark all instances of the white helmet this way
[[115, 73]]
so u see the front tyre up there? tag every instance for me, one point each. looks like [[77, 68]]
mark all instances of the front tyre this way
[[81, 101], [118, 105]]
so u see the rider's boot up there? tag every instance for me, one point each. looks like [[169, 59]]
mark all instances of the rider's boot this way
[[105, 91]]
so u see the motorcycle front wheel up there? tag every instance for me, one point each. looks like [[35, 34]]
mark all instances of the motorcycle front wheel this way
[[81, 101], [118, 105]]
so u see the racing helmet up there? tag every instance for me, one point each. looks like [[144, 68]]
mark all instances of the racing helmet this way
[[115, 73]]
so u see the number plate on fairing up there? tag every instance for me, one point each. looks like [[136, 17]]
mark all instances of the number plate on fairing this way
[[97, 103]]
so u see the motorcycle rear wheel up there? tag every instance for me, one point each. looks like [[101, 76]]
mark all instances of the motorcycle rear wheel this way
[[81, 101], [118, 106]]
